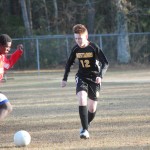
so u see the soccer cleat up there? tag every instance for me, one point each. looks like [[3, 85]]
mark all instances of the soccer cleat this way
[[84, 134]]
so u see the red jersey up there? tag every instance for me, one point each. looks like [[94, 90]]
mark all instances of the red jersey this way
[[6, 63]]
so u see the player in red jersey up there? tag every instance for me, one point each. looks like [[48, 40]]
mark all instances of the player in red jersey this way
[[92, 67], [5, 64]]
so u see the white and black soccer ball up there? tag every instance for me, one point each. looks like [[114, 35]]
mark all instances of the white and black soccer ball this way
[[22, 138]]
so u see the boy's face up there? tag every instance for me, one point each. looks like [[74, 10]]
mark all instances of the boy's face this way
[[81, 39], [4, 49]]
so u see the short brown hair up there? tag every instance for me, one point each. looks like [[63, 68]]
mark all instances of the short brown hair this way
[[79, 29], [4, 38]]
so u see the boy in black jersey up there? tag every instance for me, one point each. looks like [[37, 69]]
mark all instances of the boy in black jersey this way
[[92, 67]]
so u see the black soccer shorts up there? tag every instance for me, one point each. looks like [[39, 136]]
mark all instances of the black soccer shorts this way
[[89, 86]]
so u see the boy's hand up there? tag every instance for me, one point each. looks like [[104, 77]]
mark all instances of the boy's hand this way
[[63, 83], [98, 80], [20, 46]]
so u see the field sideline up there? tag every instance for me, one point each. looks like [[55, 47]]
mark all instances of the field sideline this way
[[50, 113]]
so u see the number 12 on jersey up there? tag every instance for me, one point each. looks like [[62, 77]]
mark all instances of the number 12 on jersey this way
[[85, 63]]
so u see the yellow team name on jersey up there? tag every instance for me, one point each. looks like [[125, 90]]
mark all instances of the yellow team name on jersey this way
[[84, 55]]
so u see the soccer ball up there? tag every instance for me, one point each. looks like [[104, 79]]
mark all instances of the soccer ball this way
[[22, 138]]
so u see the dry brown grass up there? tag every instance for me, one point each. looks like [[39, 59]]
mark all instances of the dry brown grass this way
[[50, 113]]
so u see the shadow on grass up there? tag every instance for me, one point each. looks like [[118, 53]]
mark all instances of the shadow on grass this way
[[146, 147]]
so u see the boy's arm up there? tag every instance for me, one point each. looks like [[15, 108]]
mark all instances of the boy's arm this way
[[68, 65], [9, 63], [104, 63]]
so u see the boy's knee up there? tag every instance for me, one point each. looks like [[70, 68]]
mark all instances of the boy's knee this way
[[10, 109], [7, 106]]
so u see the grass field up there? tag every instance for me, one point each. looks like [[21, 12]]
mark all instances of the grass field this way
[[50, 113]]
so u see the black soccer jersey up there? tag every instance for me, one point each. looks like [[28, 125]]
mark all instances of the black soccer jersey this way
[[92, 61]]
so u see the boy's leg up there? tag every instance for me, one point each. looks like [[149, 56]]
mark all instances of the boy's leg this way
[[91, 110], [82, 97], [81, 90], [5, 109], [93, 94], [5, 106]]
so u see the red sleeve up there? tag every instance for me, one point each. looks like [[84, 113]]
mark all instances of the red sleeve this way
[[8, 63]]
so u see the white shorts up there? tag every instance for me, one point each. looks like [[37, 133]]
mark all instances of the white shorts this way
[[3, 99]]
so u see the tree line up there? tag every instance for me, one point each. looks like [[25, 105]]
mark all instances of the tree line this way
[[38, 17], [27, 18]]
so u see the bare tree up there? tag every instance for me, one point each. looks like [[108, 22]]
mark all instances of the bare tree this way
[[123, 48], [91, 15], [29, 13], [25, 17], [47, 16], [56, 14]]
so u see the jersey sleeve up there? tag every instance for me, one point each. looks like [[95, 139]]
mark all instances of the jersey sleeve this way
[[104, 62], [69, 63], [9, 63]]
